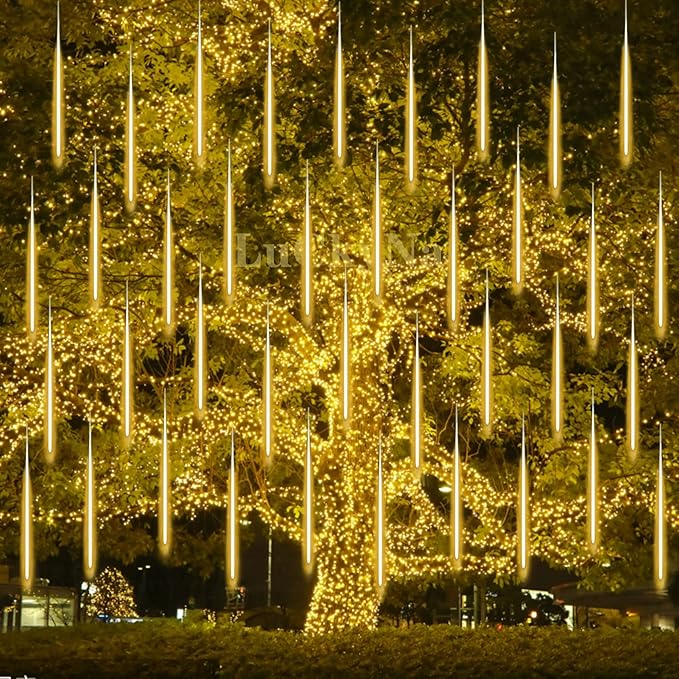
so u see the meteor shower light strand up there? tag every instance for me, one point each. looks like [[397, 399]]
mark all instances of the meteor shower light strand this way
[[26, 549], [50, 410], [482, 96], [130, 146], [660, 282], [453, 261], [626, 122], [338, 117], [58, 101], [229, 219], [593, 284], [517, 239], [32, 273], [632, 393], [199, 122], [377, 230], [555, 133], [593, 486]]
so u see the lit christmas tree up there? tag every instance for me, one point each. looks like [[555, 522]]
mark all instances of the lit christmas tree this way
[[111, 596]]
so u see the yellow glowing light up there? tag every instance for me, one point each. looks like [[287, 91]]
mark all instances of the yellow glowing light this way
[[165, 514], [453, 262], [411, 122], [482, 95], [632, 393], [517, 232], [168, 267], [660, 276], [90, 532], [486, 368], [593, 284], [338, 117], [229, 234], [345, 358], [557, 371], [268, 415], [50, 410], [592, 487], [128, 374], [26, 556], [555, 134], [456, 536], [377, 230], [199, 122], [232, 541], [626, 123], [200, 359], [660, 552], [95, 240], [130, 146], [58, 102], [523, 522], [380, 527], [32, 273], [269, 122], [308, 501], [307, 262], [417, 442]]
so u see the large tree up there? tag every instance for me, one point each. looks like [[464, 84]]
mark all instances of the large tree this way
[[306, 376]]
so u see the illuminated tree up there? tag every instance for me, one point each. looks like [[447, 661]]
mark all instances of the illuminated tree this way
[[88, 344], [111, 596]]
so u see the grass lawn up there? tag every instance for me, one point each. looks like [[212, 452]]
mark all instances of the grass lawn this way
[[170, 649]]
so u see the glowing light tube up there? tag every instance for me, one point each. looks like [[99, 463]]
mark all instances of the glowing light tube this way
[[95, 241], [660, 550], [411, 123], [486, 371], [26, 558], [632, 393], [660, 272], [32, 273], [456, 529], [482, 95], [523, 511], [130, 178], [555, 134], [127, 400], [345, 357], [198, 112], [229, 234], [267, 384], [50, 429], [339, 128], [165, 499], [517, 231], [416, 444], [269, 122], [453, 263], [58, 102], [593, 487], [168, 267], [592, 284], [557, 372], [307, 271], [377, 232], [308, 510], [380, 525], [626, 95], [232, 537], [200, 355], [90, 522]]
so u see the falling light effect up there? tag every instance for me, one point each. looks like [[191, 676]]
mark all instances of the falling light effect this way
[[229, 234], [660, 275], [486, 369], [416, 428], [593, 284], [50, 409], [453, 262], [307, 262], [593, 487], [269, 122], [26, 550], [380, 523], [168, 267], [90, 523], [517, 231], [345, 359], [164, 509], [130, 147], [199, 122], [626, 121], [660, 551], [232, 541], [377, 231], [632, 394], [95, 241], [267, 389], [456, 536], [127, 401], [523, 518], [557, 371], [200, 358], [338, 115], [32, 273], [482, 95], [58, 102], [308, 515], [555, 133], [411, 123]]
